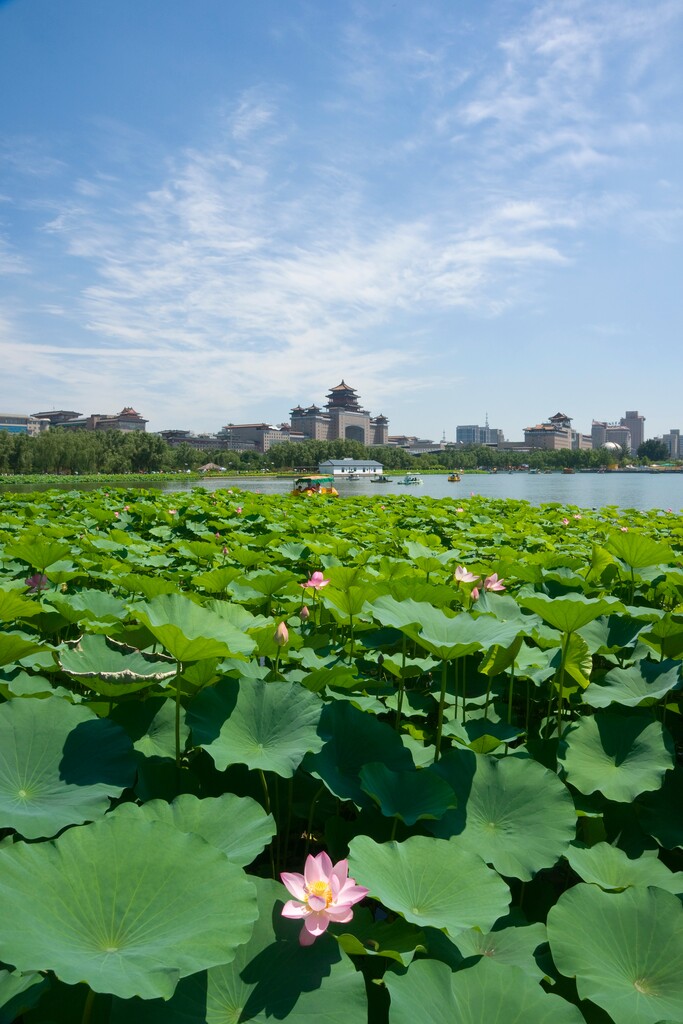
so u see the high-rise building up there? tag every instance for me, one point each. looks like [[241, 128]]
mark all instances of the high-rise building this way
[[673, 442], [636, 425], [615, 433]]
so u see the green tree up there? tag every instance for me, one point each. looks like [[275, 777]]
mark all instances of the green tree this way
[[654, 450]]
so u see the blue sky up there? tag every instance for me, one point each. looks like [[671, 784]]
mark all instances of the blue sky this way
[[214, 211]]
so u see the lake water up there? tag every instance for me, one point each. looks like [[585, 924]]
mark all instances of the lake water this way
[[585, 490]]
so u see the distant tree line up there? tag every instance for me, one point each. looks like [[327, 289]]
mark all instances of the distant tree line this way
[[113, 451]]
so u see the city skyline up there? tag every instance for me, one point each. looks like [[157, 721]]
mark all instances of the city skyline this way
[[210, 214]]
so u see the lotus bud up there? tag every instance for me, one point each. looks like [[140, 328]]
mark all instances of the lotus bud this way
[[304, 613], [281, 635]]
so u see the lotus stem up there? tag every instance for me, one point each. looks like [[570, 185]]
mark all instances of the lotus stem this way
[[264, 783], [401, 685], [560, 695], [177, 714], [442, 704], [87, 1007], [510, 690]]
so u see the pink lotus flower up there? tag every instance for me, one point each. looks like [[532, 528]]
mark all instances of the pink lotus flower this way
[[304, 613], [281, 636], [172, 511], [565, 521], [36, 583], [316, 582], [322, 894], [493, 583], [463, 576], [577, 515], [624, 529], [475, 593], [460, 509], [238, 510]]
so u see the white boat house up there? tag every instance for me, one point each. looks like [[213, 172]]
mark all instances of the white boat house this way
[[348, 466]]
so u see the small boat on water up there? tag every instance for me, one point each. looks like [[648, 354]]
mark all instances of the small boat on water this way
[[567, 470], [380, 479], [353, 476], [454, 478], [305, 486], [411, 480]]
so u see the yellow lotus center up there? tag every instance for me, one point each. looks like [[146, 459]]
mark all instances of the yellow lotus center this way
[[320, 889]]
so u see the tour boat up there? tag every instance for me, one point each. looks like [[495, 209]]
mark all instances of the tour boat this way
[[411, 480], [454, 478], [316, 484]]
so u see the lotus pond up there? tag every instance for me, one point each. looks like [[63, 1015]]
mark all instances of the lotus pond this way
[[473, 707]]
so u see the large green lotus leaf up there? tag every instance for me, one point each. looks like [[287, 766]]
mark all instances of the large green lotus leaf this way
[[190, 632], [610, 868], [665, 636], [236, 825], [639, 551], [488, 993], [271, 978], [59, 765], [91, 606], [348, 603], [626, 950], [570, 612], [430, 882], [239, 617], [127, 906], [354, 738], [151, 725], [114, 669], [617, 756], [513, 946], [39, 552], [263, 725], [464, 634], [611, 633], [511, 811], [661, 813], [148, 586], [405, 615], [407, 795], [16, 606], [646, 680], [578, 663], [15, 646], [19, 992]]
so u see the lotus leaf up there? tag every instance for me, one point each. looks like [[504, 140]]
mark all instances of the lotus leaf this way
[[570, 612], [59, 765], [270, 978], [620, 757], [611, 869], [126, 905], [646, 680], [407, 795], [190, 632], [625, 950], [354, 738], [236, 825], [430, 882], [511, 811], [263, 725], [487, 993]]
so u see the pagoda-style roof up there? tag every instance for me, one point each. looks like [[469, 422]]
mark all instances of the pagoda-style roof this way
[[560, 417], [343, 397]]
